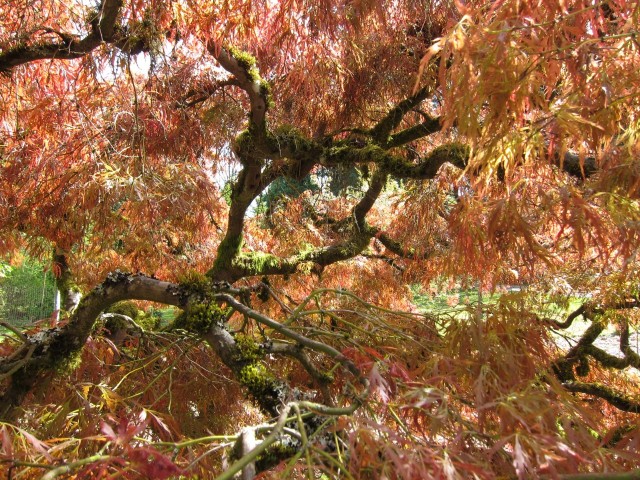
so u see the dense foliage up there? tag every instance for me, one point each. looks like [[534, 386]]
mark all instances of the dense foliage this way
[[289, 175]]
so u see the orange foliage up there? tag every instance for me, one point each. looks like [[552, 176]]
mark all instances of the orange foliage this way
[[135, 154]]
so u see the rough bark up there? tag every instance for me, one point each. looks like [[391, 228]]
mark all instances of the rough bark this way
[[50, 347], [104, 29]]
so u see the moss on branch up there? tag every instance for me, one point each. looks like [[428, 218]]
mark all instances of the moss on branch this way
[[605, 359], [258, 380], [274, 454], [608, 394], [349, 154], [104, 29], [246, 61], [288, 141], [255, 263], [454, 153], [129, 309], [249, 350], [252, 373], [193, 282], [228, 250], [198, 317], [243, 66]]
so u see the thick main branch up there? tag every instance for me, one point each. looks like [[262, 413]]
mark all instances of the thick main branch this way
[[103, 30], [57, 344]]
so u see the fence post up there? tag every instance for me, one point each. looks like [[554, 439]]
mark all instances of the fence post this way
[[56, 306]]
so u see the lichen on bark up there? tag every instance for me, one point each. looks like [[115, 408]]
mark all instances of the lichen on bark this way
[[228, 249]]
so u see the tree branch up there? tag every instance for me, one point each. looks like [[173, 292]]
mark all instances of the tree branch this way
[[296, 351], [378, 182], [202, 93], [397, 248], [611, 396], [69, 291], [428, 127], [563, 367], [629, 354], [57, 344], [300, 339], [570, 318], [381, 131], [103, 30], [427, 168], [632, 475], [572, 164], [251, 146], [243, 67]]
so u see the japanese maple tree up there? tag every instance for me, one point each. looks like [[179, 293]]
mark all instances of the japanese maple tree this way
[[287, 175]]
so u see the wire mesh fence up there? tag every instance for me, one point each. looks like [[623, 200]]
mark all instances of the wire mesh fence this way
[[27, 293]]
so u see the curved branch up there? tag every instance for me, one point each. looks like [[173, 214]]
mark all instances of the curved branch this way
[[295, 351], [103, 30], [392, 119], [570, 318], [232, 264], [302, 154], [632, 357], [428, 127], [247, 264], [563, 368], [608, 394], [427, 167], [455, 153], [605, 359], [251, 146], [57, 344], [365, 204], [243, 67], [301, 339]]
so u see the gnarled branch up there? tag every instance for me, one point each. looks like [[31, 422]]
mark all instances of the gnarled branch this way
[[103, 30], [52, 346], [611, 396], [392, 119], [243, 67]]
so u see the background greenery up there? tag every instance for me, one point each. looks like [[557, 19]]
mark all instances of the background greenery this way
[[27, 292]]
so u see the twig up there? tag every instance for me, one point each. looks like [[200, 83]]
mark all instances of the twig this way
[[283, 419], [18, 333], [51, 474], [20, 363], [301, 339]]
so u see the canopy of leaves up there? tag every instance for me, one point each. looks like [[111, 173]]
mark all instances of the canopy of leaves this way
[[289, 174]]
